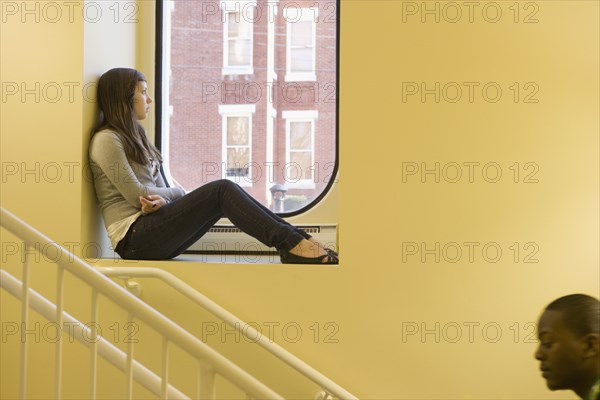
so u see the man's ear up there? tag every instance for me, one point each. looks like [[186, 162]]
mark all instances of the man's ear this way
[[591, 343]]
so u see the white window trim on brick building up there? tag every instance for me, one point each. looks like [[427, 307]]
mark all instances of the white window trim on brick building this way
[[244, 9], [237, 110], [292, 15], [299, 116]]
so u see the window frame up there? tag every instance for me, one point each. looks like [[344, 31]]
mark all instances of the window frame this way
[[228, 69], [306, 14], [236, 110], [300, 116], [162, 91]]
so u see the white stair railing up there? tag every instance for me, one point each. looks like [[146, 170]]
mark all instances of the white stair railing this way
[[210, 362], [82, 331], [254, 336]]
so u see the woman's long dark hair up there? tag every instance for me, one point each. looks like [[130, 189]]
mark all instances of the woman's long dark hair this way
[[116, 89]]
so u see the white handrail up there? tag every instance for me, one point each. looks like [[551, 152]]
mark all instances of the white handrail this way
[[167, 328], [244, 328], [80, 331]]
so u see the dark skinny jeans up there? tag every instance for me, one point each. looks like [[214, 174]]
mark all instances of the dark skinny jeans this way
[[169, 231]]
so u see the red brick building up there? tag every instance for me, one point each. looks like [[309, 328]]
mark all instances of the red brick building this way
[[252, 95]]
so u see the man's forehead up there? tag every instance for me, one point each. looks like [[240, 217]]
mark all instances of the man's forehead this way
[[550, 321]]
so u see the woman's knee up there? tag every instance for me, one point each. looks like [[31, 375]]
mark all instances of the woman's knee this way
[[226, 184]]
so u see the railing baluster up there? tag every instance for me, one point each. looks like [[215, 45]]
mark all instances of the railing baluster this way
[[129, 356], [94, 345], [60, 280], [24, 323], [206, 382], [165, 369]]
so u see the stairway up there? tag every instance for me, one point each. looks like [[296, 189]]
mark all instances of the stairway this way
[[104, 347]]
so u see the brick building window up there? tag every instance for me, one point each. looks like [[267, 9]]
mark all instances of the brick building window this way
[[301, 43], [300, 148], [238, 32], [237, 142]]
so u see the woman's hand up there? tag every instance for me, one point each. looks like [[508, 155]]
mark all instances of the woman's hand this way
[[151, 203]]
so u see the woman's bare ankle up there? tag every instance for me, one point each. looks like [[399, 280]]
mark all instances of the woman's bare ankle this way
[[308, 248], [321, 246]]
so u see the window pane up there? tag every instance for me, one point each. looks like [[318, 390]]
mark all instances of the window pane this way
[[238, 26], [238, 157], [237, 131], [300, 136], [239, 52], [302, 33], [233, 25], [302, 60], [301, 165]]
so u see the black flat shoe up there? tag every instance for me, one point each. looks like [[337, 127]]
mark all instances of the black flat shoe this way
[[331, 252], [289, 258]]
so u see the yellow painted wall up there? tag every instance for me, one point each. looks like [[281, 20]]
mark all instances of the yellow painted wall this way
[[403, 324]]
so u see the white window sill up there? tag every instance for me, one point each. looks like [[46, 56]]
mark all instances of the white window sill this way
[[300, 185], [300, 77], [237, 71]]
